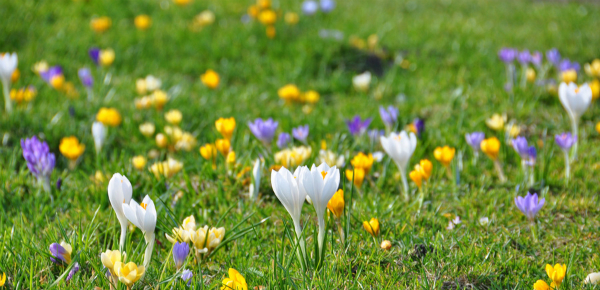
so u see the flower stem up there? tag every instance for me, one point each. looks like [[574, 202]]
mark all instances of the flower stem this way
[[123, 236], [499, 171], [149, 248], [574, 132], [567, 167], [7, 101], [404, 183], [300, 251]]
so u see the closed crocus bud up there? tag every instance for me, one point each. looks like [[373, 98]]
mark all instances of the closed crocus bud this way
[[180, 252], [230, 158], [14, 77], [210, 79], [99, 134], [161, 140], [234, 281], [208, 151], [491, 147], [147, 129], [444, 155], [336, 203], [416, 177], [541, 285], [61, 252], [101, 24], [173, 117], [109, 117], [106, 57], [386, 245], [142, 22], [223, 146], [198, 238], [424, 168], [362, 81], [139, 162], [225, 126], [358, 175], [372, 227]]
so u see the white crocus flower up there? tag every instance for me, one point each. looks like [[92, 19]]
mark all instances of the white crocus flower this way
[[362, 81], [592, 278], [400, 147], [8, 65], [256, 174], [320, 183], [119, 194], [576, 101], [99, 133], [291, 196], [152, 83], [143, 216]]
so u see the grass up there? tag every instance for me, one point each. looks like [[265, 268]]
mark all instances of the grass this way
[[454, 81]]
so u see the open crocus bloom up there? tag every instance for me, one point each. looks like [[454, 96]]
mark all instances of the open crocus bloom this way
[[198, 238], [142, 215], [575, 99], [129, 273], [215, 237], [61, 252], [400, 147], [110, 258]]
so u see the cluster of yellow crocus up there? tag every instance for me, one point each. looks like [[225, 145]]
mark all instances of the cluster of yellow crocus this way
[[71, 148], [556, 274], [156, 99], [362, 164], [101, 24], [210, 79], [23, 95], [173, 137], [293, 157], [109, 117], [204, 240], [166, 168], [421, 173], [291, 93]]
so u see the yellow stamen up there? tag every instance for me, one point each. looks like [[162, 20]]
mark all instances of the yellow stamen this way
[[323, 173], [143, 205]]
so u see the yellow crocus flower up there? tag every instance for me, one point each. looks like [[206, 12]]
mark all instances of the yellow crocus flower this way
[[289, 92], [106, 57], [556, 273], [491, 147], [424, 167], [71, 148], [225, 126], [416, 177], [210, 79], [139, 162], [569, 76], [363, 161], [267, 17], [372, 227], [101, 24], [336, 203], [128, 273], [496, 122], [223, 146], [541, 285], [358, 174], [444, 155], [2, 279], [173, 117], [208, 151], [235, 281], [142, 22], [109, 117]]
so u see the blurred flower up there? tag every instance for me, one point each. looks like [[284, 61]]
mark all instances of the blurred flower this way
[[267, 17], [85, 76], [99, 134], [182, 2], [530, 75], [225, 126], [186, 276], [101, 24], [311, 97], [300, 133], [166, 168], [40, 66], [507, 55], [474, 140], [223, 146], [417, 126], [210, 79], [61, 252], [592, 278], [71, 148], [291, 18], [205, 18], [208, 152], [593, 68], [569, 76], [416, 177], [14, 77], [496, 122], [289, 92], [575, 99], [453, 223], [129, 273], [444, 155], [386, 245], [529, 205], [424, 168], [109, 117], [363, 161], [512, 130], [357, 126], [595, 87], [54, 77], [271, 31], [356, 174], [180, 252], [161, 140], [372, 227], [524, 57], [235, 281], [150, 83], [400, 147], [94, 53], [142, 22], [283, 140], [491, 147], [230, 159], [147, 129], [565, 141], [536, 58], [173, 117], [23, 94], [109, 259], [332, 159], [293, 157], [40, 160], [327, 5], [139, 162], [389, 115], [362, 81], [566, 65], [106, 57], [522, 147], [375, 135], [336, 203], [263, 130], [310, 7], [553, 56]]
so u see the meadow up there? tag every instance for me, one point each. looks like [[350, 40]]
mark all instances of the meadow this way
[[173, 98]]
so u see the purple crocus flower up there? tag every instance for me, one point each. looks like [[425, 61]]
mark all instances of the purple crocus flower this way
[[357, 126], [85, 76], [375, 135], [300, 133], [187, 276], [536, 58], [419, 125], [520, 145], [565, 141], [389, 116], [51, 73], [327, 6], [180, 252], [73, 271], [59, 183], [95, 54], [507, 55], [524, 57], [40, 160], [529, 205], [553, 56], [532, 154], [474, 140], [283, 140], [310, 7], [263, 130], [566, 64], [58, 253]]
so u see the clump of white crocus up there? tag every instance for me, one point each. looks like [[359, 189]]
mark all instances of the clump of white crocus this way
[[400, 147], [576, 101], [119, 194], [143, 216]]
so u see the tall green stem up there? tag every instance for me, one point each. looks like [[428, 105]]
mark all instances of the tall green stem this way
[[7, 101], [574, 132]]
